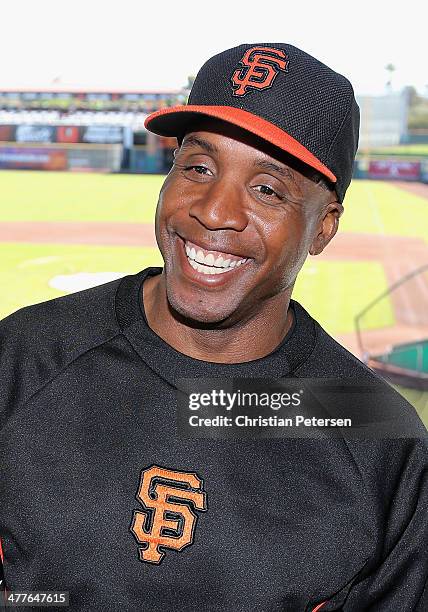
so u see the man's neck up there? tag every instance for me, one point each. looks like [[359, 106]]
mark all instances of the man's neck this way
[[252, 339]]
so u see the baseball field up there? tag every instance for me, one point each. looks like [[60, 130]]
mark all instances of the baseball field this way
[[60, 232]]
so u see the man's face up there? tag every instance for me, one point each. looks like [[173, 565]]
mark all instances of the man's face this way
[[235, 224]]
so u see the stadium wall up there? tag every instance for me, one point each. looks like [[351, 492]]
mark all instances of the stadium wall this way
[[85, 158]]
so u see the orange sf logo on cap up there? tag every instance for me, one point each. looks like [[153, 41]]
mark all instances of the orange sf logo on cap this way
[[260, 67], [168, 519]]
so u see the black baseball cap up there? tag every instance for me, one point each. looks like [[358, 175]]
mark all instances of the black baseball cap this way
[[282, 95]]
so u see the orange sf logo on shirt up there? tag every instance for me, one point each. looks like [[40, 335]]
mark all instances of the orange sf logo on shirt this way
[[260, 67], [168, 519]]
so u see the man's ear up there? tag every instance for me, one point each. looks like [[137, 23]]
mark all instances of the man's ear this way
[[327, 227]]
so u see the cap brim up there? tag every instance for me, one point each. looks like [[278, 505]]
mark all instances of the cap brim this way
[[172, 121]]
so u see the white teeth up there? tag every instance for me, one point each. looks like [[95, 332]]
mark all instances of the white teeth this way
[[209, 259], [205, 269], [200, 257], [207, 264]]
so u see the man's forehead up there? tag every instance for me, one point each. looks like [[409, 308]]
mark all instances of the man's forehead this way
[[199, 132], [258, 159], [209, 134]]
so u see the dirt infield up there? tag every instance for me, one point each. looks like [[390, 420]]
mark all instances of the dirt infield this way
[[109, 234], [398, 255], [419, 189]]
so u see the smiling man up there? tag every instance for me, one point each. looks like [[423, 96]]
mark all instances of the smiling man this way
[[235, 222], [106, 497]]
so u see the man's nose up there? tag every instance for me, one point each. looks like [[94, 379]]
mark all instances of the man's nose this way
[[221, 206]]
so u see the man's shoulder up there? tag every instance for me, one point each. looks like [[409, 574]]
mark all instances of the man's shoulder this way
[[366, 388], [79, 315], [329, 358], [37, 342]]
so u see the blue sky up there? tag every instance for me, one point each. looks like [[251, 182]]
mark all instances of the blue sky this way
[[155, 45]]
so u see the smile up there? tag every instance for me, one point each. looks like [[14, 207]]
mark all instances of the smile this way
[[211, 262]]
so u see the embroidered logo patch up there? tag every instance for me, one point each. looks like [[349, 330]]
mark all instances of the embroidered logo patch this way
[[168, 520], [260, 66]]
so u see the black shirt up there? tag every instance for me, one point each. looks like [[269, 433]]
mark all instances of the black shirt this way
[[87, 422]]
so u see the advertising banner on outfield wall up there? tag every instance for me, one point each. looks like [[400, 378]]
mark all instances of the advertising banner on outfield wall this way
[[65, 134], [394, 169], [32, 158], [68, 134], [101, 159], [35, 133], [424, 171], [103, 134], [7, 133], [98, 159]]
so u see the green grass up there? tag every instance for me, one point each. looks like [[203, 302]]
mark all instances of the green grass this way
[[410, 149], [331, 292], [377, 207], [372, 207], [67, 196], [25, 269]]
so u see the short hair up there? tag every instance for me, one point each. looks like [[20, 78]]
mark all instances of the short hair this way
[[323, 182]]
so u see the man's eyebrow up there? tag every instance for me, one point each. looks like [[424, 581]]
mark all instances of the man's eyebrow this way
[[193, 140], [268, 165]]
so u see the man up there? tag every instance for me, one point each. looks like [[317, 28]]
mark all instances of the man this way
[[103, 496]]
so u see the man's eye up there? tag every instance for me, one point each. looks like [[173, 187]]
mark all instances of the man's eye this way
[[198, 169], [266, 190]]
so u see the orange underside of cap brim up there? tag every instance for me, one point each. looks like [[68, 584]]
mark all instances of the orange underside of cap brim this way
[[161, 122]]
